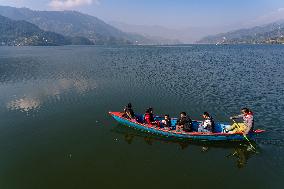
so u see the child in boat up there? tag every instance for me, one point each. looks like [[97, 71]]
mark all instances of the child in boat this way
[[184, 123], [207, 125], [128, 112], [166, 122], [246, 126]]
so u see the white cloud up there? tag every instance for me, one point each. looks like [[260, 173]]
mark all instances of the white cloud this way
[[70, 4]]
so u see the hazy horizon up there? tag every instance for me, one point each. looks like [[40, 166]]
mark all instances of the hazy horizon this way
[[191, 19]]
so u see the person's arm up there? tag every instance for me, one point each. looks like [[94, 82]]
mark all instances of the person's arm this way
[[169, 123], [125, 109], [237, 116], [129, 114], [178, 122], [182, 122], [147, 119]]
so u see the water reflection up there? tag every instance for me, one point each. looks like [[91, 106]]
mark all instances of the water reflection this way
[[149, 140], [240, 151], [32, 95], [24, 104], [128, 138], [80, 85], [241, 155]]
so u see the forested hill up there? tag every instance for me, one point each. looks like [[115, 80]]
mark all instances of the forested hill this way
[[268, 34], [22, 33], [74, 24]]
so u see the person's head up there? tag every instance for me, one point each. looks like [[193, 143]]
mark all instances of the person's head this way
[[245, 110], [150, 110], [147, 111], [129, 105], [205, 115], [167, 116], [182, 114]]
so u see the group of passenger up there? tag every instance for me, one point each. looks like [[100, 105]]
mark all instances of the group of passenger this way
[[184, 123]]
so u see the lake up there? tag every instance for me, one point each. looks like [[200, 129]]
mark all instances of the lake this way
[[55, 130]]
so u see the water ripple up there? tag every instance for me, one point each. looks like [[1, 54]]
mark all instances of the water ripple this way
[[194, 78]]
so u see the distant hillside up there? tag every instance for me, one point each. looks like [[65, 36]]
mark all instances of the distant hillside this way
[[72, 23], [22, 33], [158, 34], [270, 33], [165, 35]]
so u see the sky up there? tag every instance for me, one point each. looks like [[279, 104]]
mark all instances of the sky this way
[[168, 13]]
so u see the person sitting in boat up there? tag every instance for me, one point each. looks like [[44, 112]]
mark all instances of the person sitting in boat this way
[[128, 112], [208, 124], [184, 123], [246, 126], [149, 117], [166, 122]]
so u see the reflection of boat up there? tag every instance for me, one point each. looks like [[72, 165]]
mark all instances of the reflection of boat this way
[[218, 135], [241, 154], [240, 151]]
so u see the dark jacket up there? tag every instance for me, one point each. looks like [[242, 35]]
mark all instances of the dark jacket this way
[[186, 122], [129, 112], [167, 123]]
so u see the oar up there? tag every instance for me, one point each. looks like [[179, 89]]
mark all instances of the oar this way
[[231, 154], [244, 135]]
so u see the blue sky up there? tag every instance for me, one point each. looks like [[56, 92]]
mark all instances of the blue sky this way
[[169, 13]]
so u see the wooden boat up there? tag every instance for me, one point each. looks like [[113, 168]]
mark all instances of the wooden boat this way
[[218, 134]]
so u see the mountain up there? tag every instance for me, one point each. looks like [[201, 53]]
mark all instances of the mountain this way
[[269, 33], [167, 35], [74, 24], [159, 34], [22, 33]]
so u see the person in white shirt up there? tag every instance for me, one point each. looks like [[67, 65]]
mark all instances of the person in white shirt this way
[[207, 125]]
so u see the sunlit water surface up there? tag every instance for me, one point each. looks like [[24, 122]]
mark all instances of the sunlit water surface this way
[[55, 131]]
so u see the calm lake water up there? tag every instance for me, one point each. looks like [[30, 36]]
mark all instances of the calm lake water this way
[[55, 131]]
